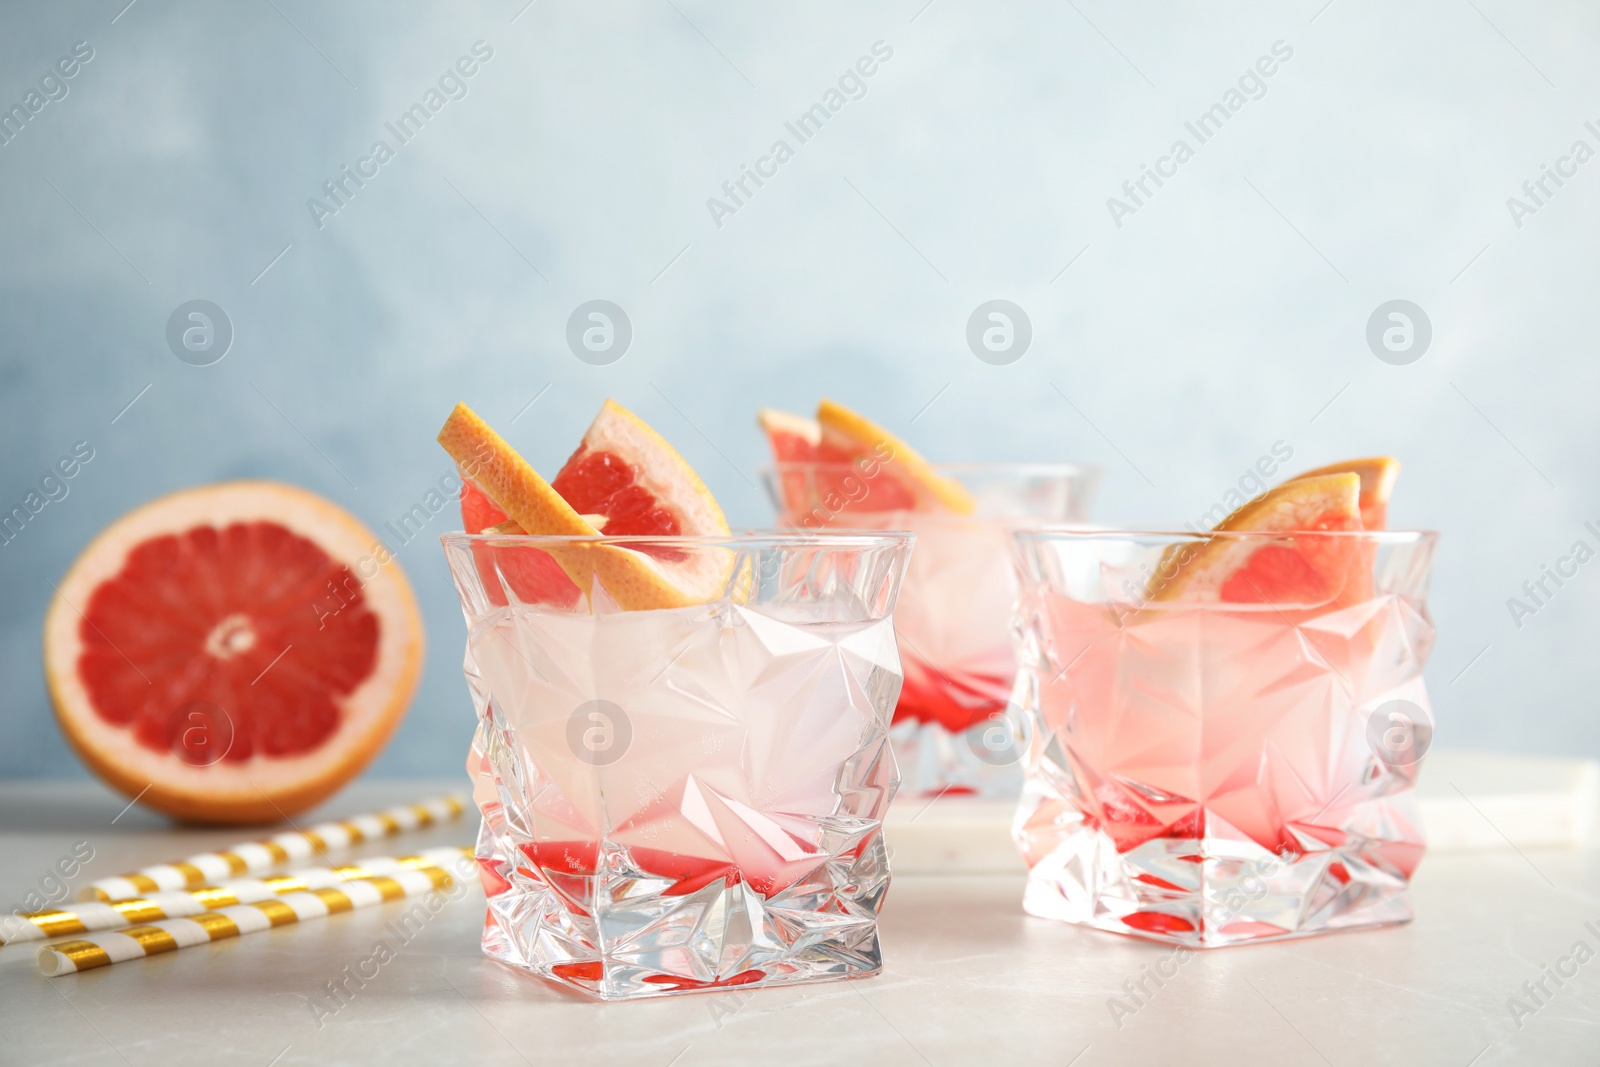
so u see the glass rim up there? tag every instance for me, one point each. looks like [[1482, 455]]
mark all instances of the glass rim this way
[[1080, 533], [778, 537], [1024, 468]]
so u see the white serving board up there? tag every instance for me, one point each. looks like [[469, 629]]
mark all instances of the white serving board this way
[[1470, 801]]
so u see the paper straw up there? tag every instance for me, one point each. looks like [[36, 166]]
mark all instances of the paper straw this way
[[253, 857], [168, 935], [180, 903]]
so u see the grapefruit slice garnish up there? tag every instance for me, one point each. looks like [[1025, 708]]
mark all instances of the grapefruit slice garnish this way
[[1377, 474], [232, 653], [478, 512], [803, 478], [903, 480], [817, 482], [534, 577], [794, 438], [1299, 571], [624, 472]]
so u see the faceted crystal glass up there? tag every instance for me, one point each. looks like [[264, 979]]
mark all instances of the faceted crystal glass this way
[[682, 798], [1209, 773], [955, 731]]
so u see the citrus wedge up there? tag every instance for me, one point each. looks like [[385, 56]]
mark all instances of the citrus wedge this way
[[803, 478], [1294, 571], [232, 653], [1377, 474], [478, 512], [532, 576], [850, 437], [623, 472], [821, 479], [794, 438]]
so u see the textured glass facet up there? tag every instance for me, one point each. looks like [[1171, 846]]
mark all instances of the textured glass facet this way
[[954, 729], [1210, 774], [688, 798]]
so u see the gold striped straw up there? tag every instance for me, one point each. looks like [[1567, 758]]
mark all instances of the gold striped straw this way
[[253, 857], [168, 935], [181, 903]]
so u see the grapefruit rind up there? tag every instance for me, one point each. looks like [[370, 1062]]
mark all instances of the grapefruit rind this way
[[632, 579], [1196, 572], [1377, 474], [507, 479], [855, 434], [263, 789]]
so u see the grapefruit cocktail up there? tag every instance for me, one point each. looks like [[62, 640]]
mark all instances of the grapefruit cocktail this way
[[682, 753], [955, 730], [1229, 724]]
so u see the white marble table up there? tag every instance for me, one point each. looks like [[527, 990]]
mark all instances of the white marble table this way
[[969, 979]]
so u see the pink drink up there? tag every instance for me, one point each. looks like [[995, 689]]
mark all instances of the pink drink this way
[[954, 729], [685, 798], [1213, 773]]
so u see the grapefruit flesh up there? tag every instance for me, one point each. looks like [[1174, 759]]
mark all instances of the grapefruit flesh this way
[[794, 438], [809, 476], [627, 473], [628, 480], [601, 483], [843, 462], [856, 438], [815, 474], [233, 653], [478, 512], [1299, 571], [533, 576]]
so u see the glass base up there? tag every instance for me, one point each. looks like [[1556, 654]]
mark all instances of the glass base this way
[[1217, 890], [982, 761], [631, 939]]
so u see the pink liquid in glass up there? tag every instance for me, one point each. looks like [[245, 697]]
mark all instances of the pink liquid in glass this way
[[1213, 773]]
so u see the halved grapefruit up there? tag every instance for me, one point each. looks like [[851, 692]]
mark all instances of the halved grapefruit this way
[[232, 653], [624, 473], [1292, 571], [1377, 474]]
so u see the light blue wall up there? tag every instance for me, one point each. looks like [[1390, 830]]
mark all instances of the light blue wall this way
[[1226, 314]]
